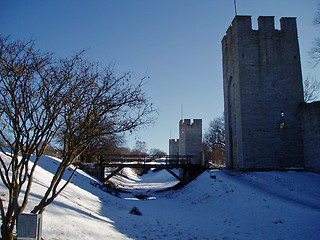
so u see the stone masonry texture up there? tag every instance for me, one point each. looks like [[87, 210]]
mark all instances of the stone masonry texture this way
[[190, 140], [262, 84], [310, 115]]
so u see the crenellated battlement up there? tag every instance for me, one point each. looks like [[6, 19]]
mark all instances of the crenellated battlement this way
[[265, 23], [173, 140], [242, 25], [187, 122]]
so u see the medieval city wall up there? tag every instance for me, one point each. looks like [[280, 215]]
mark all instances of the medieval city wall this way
[[310, 115]]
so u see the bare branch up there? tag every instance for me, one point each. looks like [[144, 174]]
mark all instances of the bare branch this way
[[72, 100], [311, 88], [315, 49]]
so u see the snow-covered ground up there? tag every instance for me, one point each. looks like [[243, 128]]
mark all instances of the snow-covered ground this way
[[217, 205], [128, 180]]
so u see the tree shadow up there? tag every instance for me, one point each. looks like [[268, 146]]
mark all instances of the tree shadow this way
[[116, 211]]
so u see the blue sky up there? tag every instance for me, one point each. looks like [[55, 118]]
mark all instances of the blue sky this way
[[177, 43]]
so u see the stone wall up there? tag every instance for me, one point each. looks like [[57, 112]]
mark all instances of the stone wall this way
[[310, 115], [262, 91]]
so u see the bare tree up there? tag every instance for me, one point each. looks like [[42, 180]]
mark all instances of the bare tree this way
[[72, 100], [32, 95], [315, 52], [311, 88], [52, 150], [214, 141], [140, 147], [102, 145], [158, 152], [103, 106], [315, 49]]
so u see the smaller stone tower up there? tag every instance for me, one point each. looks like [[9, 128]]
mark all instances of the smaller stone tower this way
[[173, 146], [190, 140]]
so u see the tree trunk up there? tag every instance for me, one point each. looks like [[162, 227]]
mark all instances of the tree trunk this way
[[6, 232]]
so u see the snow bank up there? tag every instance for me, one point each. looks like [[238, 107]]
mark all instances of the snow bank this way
[[217, 205]]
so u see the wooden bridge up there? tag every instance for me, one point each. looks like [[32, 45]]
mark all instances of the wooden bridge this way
[[166, 162]]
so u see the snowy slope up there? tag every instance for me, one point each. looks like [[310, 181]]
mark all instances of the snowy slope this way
[[217, 205], [153, 181]]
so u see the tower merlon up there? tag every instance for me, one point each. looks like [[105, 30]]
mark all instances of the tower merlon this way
[[243, 24], [187, 122], [266, 23], [197, 122], [288, 24]]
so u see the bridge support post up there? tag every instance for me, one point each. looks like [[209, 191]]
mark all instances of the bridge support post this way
[[185, 174], [190, 172], [175, 175], [113, 173], [99, 172]]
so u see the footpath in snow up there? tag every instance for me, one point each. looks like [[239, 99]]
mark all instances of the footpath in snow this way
[[217, 205]]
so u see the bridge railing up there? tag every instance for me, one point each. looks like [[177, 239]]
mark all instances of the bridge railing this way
[[146, 159]]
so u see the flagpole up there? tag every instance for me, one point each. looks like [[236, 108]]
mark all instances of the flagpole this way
[[235, 7]]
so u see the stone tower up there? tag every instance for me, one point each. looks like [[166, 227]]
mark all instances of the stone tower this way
[[190, 140], [173, 146], [262, 84]]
